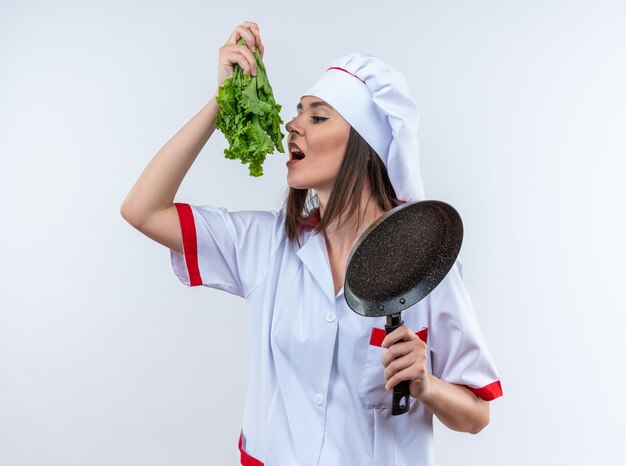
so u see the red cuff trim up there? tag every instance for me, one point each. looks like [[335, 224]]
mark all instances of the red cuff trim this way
[[378, 335], [247, 460], [488, 392], [190, 244]]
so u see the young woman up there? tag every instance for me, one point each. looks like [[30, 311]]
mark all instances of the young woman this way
[[322, 376]]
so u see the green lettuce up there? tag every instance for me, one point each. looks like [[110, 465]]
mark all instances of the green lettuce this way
[[249, 117]]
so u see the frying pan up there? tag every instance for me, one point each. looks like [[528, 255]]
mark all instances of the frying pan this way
[[398, 261]]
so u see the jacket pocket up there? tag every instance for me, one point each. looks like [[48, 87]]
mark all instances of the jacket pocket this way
[[372, 384]]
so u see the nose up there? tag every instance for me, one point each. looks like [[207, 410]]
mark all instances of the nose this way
[[291, 127]]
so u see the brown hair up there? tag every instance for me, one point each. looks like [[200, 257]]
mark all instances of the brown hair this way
[[345, 199]]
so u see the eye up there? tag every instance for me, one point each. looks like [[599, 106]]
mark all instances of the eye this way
[[317, 119]]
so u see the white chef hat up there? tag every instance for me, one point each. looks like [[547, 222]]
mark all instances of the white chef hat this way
[[374, 98]]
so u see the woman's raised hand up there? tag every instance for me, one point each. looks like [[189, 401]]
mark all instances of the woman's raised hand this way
[[232, 53]]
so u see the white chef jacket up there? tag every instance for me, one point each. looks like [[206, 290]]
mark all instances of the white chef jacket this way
[[316, 391]]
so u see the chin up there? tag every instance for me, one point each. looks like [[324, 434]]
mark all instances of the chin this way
[[298, 183], [310, 182], [298, 186]]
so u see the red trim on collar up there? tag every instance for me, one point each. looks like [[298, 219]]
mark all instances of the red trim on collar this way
[[346, 71], [311, 221]]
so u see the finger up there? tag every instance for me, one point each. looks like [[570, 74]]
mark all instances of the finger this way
[[245, 33], [400, 364], [400, 349], [243, 57], [251, 60], [401, 333], [254, 27], [406, 374], [251, 25], [239, 32]]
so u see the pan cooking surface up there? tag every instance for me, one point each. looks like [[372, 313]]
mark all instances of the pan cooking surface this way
[[403, 257]]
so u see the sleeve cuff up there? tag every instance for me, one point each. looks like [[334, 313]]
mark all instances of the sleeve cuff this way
[[186, 265], [488, 392]]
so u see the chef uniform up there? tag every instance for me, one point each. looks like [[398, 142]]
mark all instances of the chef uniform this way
[[316, 392]]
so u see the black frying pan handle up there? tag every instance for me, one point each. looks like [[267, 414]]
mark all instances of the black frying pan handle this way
[[401, 395]]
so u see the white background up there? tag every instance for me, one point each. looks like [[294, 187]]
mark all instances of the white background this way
[[107, 359]]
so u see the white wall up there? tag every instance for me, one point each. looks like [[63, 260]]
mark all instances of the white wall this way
[[105, 358]]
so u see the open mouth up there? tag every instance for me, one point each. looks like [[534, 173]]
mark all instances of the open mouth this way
[[295, 152]]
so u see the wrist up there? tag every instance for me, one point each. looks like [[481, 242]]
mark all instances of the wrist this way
[[429, 391]]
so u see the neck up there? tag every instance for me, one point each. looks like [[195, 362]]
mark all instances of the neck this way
[[341, 239]]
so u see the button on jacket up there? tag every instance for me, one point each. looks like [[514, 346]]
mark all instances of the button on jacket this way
[[316, 394]]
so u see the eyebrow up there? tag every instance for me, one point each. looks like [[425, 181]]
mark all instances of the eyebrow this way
[[313, 105]]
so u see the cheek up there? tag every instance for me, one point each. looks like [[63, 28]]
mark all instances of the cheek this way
[[331, 151]]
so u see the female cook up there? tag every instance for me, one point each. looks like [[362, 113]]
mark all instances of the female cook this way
[[321, 375]]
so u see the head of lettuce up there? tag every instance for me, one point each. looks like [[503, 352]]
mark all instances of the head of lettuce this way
[[249, 117]]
